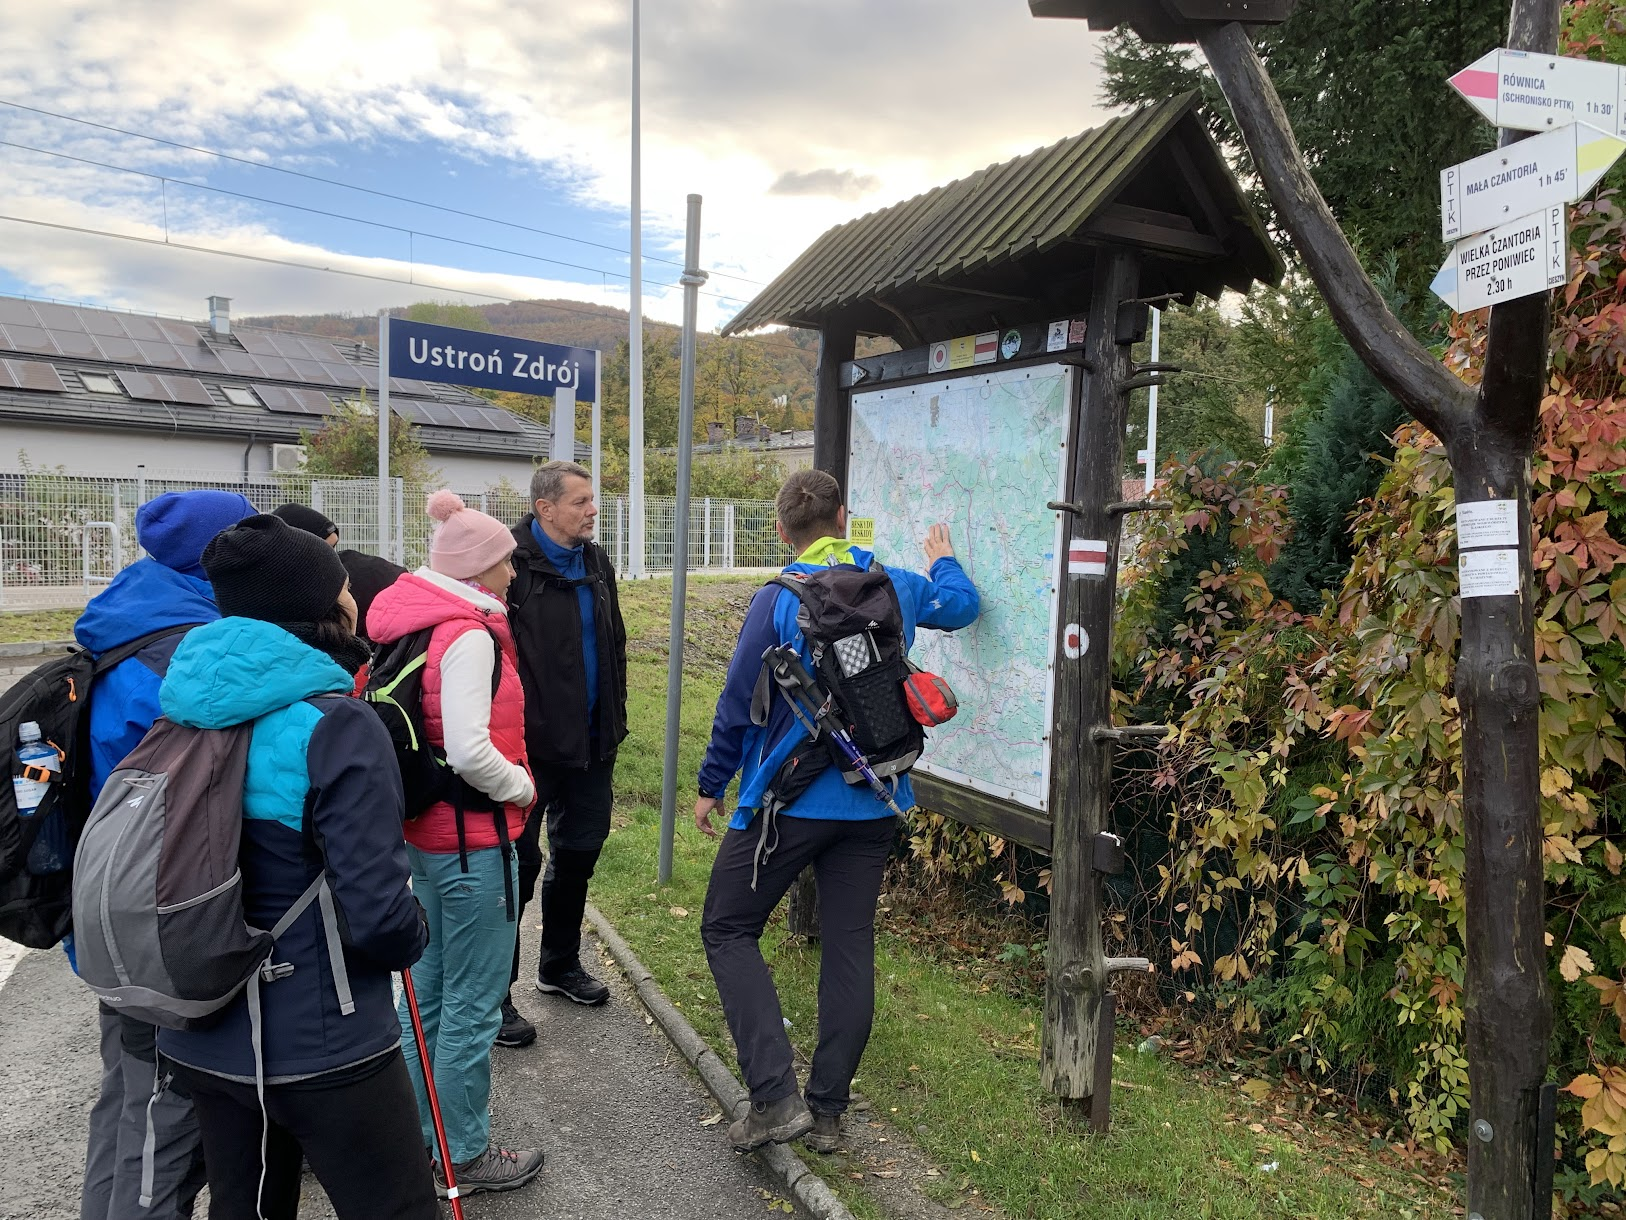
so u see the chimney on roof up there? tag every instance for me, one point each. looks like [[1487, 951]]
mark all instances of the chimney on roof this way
[[715, 432], [220, 316], [745, 427]]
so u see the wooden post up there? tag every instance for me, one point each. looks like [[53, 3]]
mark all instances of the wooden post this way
[[1081, 763], [1488, 437], [832, 433]]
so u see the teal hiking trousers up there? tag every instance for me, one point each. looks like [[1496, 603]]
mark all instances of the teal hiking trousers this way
[[460, 983]]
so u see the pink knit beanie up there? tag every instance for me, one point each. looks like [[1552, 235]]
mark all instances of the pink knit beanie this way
[[467, 542]]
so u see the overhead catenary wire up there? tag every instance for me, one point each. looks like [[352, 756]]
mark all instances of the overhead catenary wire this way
[[350, 186], [164, 243], [166, 180]]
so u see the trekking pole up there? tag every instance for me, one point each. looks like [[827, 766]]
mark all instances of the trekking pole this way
[[434, 1101]]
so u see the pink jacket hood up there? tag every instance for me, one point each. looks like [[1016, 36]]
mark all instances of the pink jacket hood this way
[[415, 602]]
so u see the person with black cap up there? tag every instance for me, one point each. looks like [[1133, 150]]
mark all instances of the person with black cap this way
[[322, 793], [302, 517]]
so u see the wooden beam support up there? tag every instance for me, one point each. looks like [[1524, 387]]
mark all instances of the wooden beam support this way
[[1152, 236], [1082, 766]]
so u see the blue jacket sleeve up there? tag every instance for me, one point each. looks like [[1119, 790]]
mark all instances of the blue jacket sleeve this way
[[947, 598], [355, 813], [122, 710], [733, 719]]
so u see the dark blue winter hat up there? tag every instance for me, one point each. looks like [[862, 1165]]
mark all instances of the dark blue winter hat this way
[[176, 526]]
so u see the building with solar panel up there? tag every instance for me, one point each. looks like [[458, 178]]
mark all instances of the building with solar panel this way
[[97, 391]]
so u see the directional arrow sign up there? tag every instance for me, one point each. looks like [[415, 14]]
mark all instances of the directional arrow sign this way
[[1554, 167], [1524, 257], [1529, 92]]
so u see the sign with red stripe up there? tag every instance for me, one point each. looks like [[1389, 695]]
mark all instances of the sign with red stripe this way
[[987, 348], [1087, 557]]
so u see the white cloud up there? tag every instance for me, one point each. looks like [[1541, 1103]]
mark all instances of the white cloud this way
[[739, 96]]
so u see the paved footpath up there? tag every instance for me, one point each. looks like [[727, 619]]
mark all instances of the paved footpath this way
[[601, 1092], [617, 1112]]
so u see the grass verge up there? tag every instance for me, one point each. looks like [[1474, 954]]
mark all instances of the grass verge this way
[[953, 1061], [37, 626]]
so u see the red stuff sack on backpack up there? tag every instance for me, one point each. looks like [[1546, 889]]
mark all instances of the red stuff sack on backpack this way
[[930, 699]]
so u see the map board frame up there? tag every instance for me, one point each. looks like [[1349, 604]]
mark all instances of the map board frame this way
[[1025, 818]]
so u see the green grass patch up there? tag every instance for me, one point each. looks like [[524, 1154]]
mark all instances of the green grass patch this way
[[952, 1061], [37, 626]]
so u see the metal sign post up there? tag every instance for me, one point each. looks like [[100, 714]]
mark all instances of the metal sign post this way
[[385, 550], [635, 335], [691, 280]]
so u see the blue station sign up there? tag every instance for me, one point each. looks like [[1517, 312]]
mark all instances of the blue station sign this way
[[495, 362]]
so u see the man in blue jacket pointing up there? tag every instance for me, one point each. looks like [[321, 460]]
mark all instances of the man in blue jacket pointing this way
[[838, 828]]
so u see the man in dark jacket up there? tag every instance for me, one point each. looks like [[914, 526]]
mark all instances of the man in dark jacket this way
[[164, 593], [573, 664]]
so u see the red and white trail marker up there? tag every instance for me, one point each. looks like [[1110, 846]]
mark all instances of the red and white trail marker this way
[[1530, 92], [1087, 557]]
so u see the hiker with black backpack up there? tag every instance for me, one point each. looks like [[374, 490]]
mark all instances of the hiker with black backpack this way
[[446, 669], [261, 737], [821, 717], [149, 607]]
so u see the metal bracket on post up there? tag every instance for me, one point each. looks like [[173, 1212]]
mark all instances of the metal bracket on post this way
[[1109, 853], [1101, 1095], [1120, 507], [1541, 1161], [1131, 732]]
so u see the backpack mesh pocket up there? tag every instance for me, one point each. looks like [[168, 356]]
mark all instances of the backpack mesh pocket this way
[[874, 702]]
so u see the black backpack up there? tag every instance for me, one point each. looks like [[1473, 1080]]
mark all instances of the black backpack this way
[[37, 911], [853, 625], [395, 692]]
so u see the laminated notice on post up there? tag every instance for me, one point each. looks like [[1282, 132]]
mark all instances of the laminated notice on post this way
[[1488, 523], [1488, 573]]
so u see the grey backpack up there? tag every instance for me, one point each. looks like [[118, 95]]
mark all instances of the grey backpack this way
[[158, 921]]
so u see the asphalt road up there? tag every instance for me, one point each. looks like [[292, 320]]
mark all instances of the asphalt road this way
[[617, 1111]]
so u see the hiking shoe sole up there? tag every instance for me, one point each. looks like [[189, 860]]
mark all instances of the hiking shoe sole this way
[[465, 1189], [782, 1134], [555, 989]]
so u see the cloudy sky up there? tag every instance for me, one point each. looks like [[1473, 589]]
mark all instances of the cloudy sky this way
[[788, 116]]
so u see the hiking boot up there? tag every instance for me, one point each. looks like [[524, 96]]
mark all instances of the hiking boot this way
[[575, 985], [516, 1031], [495, 1169], [825, 1135], [774, 1122]]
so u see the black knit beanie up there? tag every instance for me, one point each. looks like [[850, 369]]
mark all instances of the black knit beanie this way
[[307, 519], [261, 568]]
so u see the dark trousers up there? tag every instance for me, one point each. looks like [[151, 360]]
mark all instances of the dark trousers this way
[[575, 803], [848, 859], [357, 1128]]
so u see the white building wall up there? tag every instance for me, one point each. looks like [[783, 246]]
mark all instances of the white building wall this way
[[118, 452]]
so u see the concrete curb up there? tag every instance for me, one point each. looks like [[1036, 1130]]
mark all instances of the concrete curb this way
[[805, 1186], [40, 648]]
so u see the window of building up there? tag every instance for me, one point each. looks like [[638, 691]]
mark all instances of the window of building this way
[[240, 396], [100, 383]]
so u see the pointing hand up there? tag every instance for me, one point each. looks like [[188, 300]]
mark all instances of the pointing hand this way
[[938, 545]]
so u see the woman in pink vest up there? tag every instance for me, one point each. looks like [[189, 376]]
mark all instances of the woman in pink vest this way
[[463, 869]]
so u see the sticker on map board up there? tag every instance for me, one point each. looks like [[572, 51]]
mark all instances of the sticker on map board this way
[[938, 360], [1010, 345], [962, 352], [1075, 331], [1488, 523], [1087, 557], [1075, 641], [1488, 573], [1055, 338], [986, 350], [861, 530]]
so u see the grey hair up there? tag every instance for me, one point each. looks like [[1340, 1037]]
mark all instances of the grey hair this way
[[548, 480]]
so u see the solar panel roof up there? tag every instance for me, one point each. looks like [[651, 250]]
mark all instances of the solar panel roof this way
[[294, 400], [154, 387], [30, 375]]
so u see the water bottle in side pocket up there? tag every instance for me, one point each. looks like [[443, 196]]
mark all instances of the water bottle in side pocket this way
[[40, 765]]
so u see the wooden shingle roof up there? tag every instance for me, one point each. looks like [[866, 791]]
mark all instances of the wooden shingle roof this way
[[1014, 240]]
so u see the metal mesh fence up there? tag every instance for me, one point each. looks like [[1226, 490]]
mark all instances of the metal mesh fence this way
[[64, 537]]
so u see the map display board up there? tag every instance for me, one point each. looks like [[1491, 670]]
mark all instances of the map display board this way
[[984, 453]]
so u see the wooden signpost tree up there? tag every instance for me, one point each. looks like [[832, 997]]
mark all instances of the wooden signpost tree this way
[[1488, 434]]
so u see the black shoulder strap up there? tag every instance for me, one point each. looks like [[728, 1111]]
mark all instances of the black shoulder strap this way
[[121, 654]]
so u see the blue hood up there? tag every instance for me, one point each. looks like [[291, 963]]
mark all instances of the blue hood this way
[[238, 669], [144, 598]]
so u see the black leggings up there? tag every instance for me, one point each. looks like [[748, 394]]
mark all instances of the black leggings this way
[[358, 1129]]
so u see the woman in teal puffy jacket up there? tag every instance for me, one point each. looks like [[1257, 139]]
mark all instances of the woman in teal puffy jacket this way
[[322, 793]]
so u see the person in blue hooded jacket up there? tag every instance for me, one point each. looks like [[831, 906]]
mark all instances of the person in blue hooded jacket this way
[[837, 828], [322, 795], [160, 596]]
